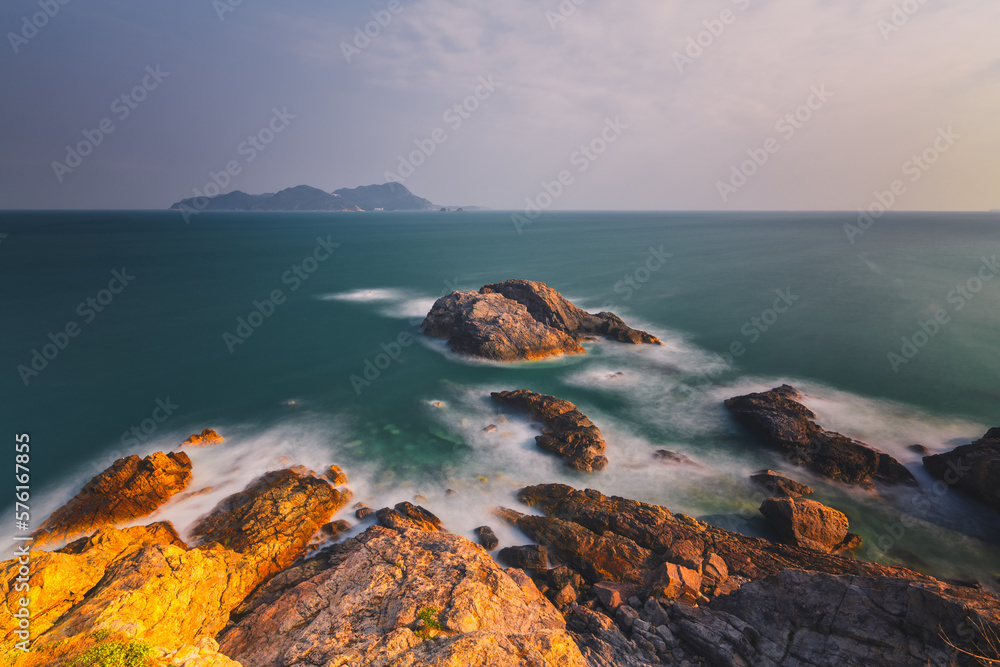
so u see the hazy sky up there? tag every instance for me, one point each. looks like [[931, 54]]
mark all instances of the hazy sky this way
[[887, 80]]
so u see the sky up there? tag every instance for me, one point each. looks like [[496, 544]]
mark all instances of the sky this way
[[566, 104]]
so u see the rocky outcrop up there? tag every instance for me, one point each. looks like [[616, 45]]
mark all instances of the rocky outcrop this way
[[206, 438], [493, 327], [787, 426], [780, 486], [566, 431], [620, 540], [129, 489], [144, 584], [974, 469], [407, 597], [520, 320], [809, 524], [820, 620], [273, 519]]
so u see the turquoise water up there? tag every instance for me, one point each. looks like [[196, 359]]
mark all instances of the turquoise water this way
[[286, 394]]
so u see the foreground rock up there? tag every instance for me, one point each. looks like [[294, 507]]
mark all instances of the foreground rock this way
[[566, 431], [787, 426], [273, 519], [657, 588], [206, 438], [809, 524], [807, 618], [408, 597], [672, 555], [519, 320], [975, 468], [144, 584], [129, 489]]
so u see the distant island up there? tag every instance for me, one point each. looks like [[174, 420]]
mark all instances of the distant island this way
[[386, 197]]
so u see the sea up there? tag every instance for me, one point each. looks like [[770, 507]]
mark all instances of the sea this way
[[297, 337]]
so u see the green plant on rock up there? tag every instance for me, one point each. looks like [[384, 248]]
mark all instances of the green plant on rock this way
[[116, 654], [430, 617]]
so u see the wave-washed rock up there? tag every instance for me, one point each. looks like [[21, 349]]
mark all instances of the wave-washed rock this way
[[519, 320], [566, 431], [206, 438], [129, 489], [974, 469], [787, 426]]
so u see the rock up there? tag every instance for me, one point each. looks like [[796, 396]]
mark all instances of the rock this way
[[145, 584], [490, 429], [566, 431], [419, 498], [809, 618], [613, 594], [129, 489], [780, 486], [603, 643], [407, 516], [520, 320], [528, 557], [363, 513], [920, 449], [676, 582], [617, 539], [787, 426], [549, 307], [206, 438], [336, 475], [974, 469], [335, 529], [61, 579], [714, 569], [363, 610], [273, 518], [487, 538], [667, 456], [806, 523]]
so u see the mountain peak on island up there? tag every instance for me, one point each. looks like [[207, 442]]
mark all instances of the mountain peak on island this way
[[390, 196]]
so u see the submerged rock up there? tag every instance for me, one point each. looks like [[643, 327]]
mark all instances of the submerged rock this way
[[566, 432], [129, 489], [206, 438], [974, 468], [669, 457], [520, 320], [405, 597], [786, 425], [809, 524]]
